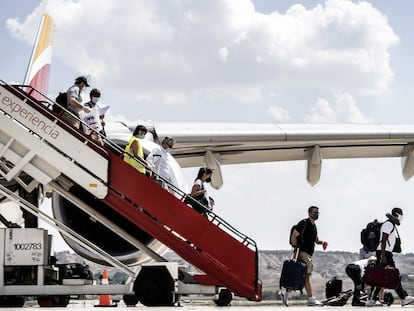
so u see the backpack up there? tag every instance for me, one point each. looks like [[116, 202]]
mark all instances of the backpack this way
[[62, 100], [300, 236], [370, 235]]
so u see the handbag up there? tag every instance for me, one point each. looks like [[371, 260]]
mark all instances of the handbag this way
[[382, 276], [197, 204], [397, 245]]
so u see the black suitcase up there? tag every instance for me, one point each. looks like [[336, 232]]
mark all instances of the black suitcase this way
[[333, 288], [74, 271], [293, 273]]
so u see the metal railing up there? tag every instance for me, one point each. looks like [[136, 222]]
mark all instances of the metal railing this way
[[46, 105]]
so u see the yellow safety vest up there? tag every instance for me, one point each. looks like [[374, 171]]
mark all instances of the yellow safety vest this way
[[129, 156]]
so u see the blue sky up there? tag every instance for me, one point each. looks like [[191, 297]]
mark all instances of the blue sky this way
[[241, 61]]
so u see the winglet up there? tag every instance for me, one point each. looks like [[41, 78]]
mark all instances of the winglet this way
[[38, 70]]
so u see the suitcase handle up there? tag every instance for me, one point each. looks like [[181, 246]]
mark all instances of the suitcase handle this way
[[295, 254]]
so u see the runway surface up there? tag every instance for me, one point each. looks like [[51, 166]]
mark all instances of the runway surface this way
[[88, 305]]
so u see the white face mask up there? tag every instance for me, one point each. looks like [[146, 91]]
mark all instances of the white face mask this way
[[400, 217], [95, 100]]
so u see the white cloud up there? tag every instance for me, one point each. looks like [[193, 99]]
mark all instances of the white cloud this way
[[279, 114], [348, 110], [223, 54], [174, 99], [172, 45], [322, 112], [344, 110], [220, 53]]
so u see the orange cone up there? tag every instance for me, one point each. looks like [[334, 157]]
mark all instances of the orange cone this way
[[105, 299]]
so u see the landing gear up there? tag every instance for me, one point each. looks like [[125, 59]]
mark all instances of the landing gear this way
[[53, 301], [154, 286], [224, 298], [130, 300]]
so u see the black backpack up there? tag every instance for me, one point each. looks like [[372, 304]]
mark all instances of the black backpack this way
[[62, 100], [370, 235], [300, 236]]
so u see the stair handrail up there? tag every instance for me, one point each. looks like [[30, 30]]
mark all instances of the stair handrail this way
[[48, 103], [213, 217]]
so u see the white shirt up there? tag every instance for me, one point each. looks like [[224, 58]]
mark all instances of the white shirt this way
[[365, 253], [364, 262], [92, 119], [159, 160], [74, 91], [388, 227]]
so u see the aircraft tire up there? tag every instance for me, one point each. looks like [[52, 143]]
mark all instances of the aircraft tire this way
[[130, 300], [224, 298], [12, 301], [154, 287], [53, 301]]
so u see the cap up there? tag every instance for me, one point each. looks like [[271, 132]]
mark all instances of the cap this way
[[95, 93], [82, 79], [396, 211]]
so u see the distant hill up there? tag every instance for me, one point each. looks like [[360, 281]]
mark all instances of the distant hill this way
[[326, 266]]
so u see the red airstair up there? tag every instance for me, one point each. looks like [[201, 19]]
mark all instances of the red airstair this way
[[34, 140]]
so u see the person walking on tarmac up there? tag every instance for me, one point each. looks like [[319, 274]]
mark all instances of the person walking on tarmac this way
[[133, 150], [389, 243], [304, 237]]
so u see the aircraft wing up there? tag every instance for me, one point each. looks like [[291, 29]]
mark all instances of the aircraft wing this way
[[214, 144]]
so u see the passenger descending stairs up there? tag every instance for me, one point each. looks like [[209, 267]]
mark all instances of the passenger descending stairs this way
[[35, 142]]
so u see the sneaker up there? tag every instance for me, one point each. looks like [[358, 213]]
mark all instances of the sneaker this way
[[312, 301], [407, 300], [374, 303], [284, 295]]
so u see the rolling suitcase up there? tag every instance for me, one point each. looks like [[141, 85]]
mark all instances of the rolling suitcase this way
[[382, 276], [333, 288], [293, 273]]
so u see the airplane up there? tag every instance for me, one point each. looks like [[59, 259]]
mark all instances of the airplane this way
[[202, 144]]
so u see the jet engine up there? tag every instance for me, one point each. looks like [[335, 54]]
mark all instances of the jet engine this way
[[96, 232]]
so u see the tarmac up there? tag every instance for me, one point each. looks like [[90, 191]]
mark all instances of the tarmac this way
[[89, 305]]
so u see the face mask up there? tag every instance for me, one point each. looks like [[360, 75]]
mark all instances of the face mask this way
[[141, 136], [95, 100], [208, 179], [168, 150], [400, 217], [315, 216]]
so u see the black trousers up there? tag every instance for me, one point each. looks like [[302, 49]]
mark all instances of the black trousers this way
[[354, 272]]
